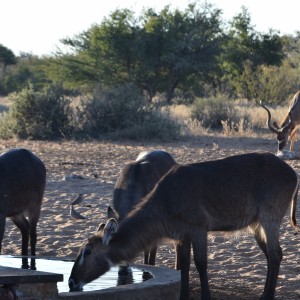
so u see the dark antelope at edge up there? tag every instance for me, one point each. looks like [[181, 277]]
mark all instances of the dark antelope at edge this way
[[22, 185], [250, 191]]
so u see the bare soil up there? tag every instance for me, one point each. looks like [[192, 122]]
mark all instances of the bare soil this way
[[236, 266]]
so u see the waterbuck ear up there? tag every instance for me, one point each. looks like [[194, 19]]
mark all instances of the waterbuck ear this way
[[111, 214], [110, 228], [101, 227]]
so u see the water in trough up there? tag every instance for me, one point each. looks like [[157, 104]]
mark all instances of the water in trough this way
[[53, 265]]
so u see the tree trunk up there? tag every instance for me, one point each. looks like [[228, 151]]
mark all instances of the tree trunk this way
[[170, 92]]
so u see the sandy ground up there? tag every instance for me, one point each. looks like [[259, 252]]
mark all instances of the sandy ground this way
[[237, 268]]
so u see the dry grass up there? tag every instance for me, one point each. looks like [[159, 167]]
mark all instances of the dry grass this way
[[251, 119]]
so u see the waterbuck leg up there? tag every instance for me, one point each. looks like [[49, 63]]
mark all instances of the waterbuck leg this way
[[21, 222], [152, 256], [33, 216], [292, 139], [272, 250], [33, 236], [183, 259], [2, 228], [33, 220], [199, 242], [146, 257]]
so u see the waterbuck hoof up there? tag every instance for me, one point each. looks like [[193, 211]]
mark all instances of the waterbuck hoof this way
[[286, 155]]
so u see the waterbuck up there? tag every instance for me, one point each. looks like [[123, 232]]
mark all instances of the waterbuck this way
[[22, 185], [289, 125], [250, 191], [135, 181]]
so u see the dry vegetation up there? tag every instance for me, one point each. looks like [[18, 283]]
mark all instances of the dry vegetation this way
[[251, 118], [256, 119]]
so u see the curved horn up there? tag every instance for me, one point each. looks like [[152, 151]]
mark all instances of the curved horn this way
[[288, 125], [271, 127]]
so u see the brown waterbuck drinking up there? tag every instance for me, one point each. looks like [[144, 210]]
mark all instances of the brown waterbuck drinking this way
[[135, 181], [289, 125], [22, 185], [250, 191]]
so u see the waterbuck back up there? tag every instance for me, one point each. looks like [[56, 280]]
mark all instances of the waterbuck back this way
[[22, 185], [138, 178], [250, 191]]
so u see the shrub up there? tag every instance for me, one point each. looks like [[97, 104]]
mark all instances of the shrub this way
[[271, 84], [211, 112], [37, 115], [123, 112], [153, 126], [277, 84]]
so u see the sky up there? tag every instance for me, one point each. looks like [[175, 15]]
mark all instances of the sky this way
[[36, 26]]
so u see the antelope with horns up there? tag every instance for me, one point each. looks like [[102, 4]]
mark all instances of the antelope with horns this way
[[289, 125], [135, 181], [250, 191], [22, 185]]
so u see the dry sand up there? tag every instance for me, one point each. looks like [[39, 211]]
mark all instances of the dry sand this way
[[236, 266]]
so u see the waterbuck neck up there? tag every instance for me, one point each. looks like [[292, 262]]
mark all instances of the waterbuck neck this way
[[139, 231]]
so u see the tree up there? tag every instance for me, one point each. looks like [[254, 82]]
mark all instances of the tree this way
[[7, 58], [184, 45], [28, 69], [157, 51], [245, 50], [100, 55]]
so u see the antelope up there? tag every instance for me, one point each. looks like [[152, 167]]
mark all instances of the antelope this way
[[289, 125], [22, 185], [250, 191], [135, 181]]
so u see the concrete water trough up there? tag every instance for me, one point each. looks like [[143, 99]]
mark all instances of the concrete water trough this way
[[156, 282]]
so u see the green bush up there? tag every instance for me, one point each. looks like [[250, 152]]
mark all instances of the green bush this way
[[123, 112], [37, 115], [153, 126], [270, 84], [277, 84], [213, 111]]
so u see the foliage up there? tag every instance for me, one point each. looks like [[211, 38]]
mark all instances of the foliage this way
[[244, 50], [212, 111], [158, 52], [37, 115], [271, 84], [7, 58], [28, 70], [123, 112]]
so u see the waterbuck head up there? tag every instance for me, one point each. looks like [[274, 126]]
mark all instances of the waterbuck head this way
[[281, 132], [91, 261]]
